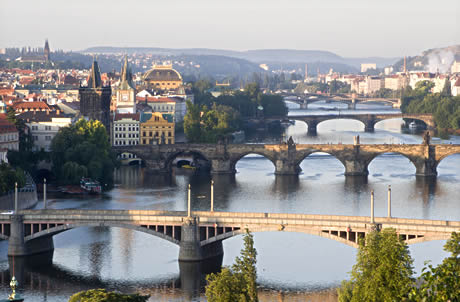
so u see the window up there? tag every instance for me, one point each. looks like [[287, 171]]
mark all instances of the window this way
[[150, 133], [169, 133], [47, 128], [34, 127], [143, 133], [35, 138]]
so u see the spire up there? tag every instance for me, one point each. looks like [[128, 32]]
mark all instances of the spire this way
[[46, 50], [405, 66], [126, 81], [94, 80]]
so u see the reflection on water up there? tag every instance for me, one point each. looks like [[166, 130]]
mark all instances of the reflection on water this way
[[290, 265]]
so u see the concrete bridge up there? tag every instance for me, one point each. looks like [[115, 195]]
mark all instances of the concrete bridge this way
[[200, 234], [286, 158], [369, 120], [305, 100]]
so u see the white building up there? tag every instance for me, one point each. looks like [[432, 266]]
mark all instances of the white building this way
[[125, 129], [44, 125], [367, 66], [455, 88], [455, 68]]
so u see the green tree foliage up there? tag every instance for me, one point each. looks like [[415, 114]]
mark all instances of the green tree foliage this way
[[83, 150], [9, 176], [102, 295], [444, 107], [207, 125], [237, 284], [383, 270], [442, 283]]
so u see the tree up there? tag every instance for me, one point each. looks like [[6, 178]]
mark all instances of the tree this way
[[83, 150], [8, 177], [102, 295], [239, 283], [383, 270], [192, 121], [442, 283], [446, 91]]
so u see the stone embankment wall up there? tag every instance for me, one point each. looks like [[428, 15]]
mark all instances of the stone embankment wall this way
[[27, 197]]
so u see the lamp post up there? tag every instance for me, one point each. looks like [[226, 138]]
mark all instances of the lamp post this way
[[372, 207], [44, 193], [389, 201], [15, 197], [212, 195], [188, 203]]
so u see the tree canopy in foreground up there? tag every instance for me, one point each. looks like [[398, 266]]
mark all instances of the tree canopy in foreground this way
[[237, 284], [102, 295], [383, 270]]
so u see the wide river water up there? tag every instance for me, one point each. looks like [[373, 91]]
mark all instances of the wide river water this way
[[291, 266]]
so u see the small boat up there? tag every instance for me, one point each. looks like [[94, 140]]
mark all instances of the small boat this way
[[188, 167], [90, 186], [413, 126]]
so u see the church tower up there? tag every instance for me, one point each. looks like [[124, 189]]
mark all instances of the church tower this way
[[46, 51], [95, 98], [126, 93]]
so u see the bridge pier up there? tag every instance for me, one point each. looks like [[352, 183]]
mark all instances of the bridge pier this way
[[222, 166], [355, 167], [155, 166], [286, 167], [312, 128], [17, 246], [190, 249], [426, 168], [351, 105], [369, 126]]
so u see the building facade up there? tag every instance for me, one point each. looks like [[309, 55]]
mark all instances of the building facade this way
[[95, 98], [162, 77], [43, 126], [174, 106], [156, 128], [9, 137], [125, 129]]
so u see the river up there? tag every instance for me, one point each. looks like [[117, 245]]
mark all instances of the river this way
[[291, 266]]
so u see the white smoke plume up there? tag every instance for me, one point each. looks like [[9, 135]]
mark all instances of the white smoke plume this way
[[440, 61]]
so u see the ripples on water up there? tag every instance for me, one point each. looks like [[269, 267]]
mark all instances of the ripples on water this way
[[291, 266]]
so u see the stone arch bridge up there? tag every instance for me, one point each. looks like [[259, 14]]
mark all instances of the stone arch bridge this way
[[287, 157], [200, 236], [308, 99], [369, 120]]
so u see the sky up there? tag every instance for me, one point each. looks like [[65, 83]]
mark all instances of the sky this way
[[350, 28]]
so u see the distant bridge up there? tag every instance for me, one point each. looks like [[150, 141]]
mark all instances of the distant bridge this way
[[369, 120], [200, 235], [306, 99], [286, 158]]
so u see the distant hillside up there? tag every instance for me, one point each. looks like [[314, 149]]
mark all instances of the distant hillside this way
[[256, 56], [432, 60]]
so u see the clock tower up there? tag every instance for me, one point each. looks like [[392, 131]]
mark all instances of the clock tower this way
[[126, 93]]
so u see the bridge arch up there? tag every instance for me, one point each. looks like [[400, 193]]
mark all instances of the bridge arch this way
[[59, 228], [237, 158], [374, 156], [337, 236], [444, 156], [305, 155], [193, 152]]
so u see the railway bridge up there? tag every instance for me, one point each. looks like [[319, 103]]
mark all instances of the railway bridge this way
[[199, 234]]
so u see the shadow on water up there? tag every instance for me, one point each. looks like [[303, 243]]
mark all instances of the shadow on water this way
[[38, 274], [286, 184], [356, 184], [427, 188]]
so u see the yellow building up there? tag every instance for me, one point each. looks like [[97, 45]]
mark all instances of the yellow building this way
[[156, 128], [163, 77]]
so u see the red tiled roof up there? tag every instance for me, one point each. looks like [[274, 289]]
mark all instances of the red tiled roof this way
[[5, 125], [155, 99], [457, 83], [31, 105], [133, 116]]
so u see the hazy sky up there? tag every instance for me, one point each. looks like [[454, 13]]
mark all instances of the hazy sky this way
[[349, 28]]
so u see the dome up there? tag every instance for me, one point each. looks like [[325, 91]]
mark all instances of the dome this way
[[162, 73]]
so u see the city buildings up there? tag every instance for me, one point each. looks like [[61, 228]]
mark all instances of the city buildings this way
[[174, 106], [125, 129], [9, 137], [156, 128], [162, 77], [43, 126], [367, 66]]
